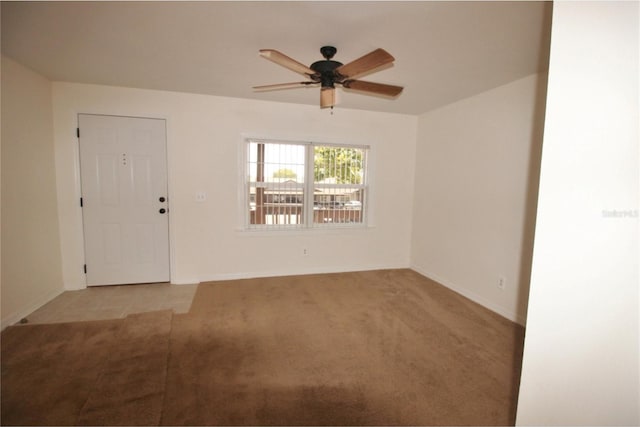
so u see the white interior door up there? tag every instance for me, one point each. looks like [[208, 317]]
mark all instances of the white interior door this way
[[123, 167]]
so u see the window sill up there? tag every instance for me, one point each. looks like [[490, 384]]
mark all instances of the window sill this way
[[285, 232]]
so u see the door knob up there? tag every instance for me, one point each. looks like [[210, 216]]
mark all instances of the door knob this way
[[162, 210]]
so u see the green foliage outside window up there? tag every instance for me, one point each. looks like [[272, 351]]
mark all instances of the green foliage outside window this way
[[343, 164], [285, 173]]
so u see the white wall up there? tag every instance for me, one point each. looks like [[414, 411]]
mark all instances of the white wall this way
[[581, 350], [204, 137], [476, 179], [31, 273]]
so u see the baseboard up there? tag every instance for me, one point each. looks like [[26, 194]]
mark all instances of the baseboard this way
[[294, 272], [185, 281], [512, 316], [22, 313]]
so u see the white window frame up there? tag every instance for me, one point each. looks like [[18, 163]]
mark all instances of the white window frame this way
[[309, 185]]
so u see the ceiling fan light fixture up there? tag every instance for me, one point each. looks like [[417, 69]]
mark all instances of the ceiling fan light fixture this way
[[327, 97]]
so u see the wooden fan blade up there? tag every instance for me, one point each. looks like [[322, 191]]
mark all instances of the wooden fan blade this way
[[283, 86], [290, 63], [376, 88], [371, 60], [327, 97]]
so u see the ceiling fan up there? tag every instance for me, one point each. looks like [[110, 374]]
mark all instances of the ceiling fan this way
[[328, 73]]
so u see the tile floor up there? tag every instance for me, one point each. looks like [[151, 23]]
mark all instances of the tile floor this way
[[113, 302]]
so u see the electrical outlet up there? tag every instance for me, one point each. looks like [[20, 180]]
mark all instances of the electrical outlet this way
[[501, 283], [201, 196]]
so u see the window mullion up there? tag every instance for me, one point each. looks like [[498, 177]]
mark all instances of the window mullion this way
[[309, 181]]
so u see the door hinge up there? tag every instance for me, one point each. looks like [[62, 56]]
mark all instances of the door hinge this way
[[85, 269], [78, 132], [81, 202]]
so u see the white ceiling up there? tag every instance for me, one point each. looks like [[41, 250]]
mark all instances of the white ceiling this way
[[445, 51]]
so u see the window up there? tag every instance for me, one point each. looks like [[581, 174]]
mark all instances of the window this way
[[293, 185]]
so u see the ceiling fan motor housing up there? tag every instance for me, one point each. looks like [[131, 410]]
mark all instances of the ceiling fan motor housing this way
[[327, 75], [326, 70]]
